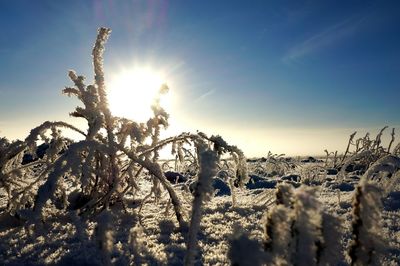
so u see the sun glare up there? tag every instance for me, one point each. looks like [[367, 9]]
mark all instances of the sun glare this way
[[131, 93]]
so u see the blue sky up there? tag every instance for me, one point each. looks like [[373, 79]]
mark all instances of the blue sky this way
[[293, 77]]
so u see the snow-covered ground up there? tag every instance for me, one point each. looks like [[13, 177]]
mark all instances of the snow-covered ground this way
[[152, 236]]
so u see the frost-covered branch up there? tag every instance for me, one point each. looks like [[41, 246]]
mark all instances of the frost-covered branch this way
[[202, 192]]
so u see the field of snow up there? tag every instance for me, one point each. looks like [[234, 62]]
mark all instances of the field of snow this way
[[152, 236]]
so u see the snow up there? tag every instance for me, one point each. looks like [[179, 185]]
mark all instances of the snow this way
[[153, 237]]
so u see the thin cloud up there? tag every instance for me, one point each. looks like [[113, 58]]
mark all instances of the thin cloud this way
[[205, 95], [323, 39]]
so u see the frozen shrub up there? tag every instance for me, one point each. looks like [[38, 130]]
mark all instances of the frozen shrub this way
[[86, 181], [298, 231], [364, 151], [274, 164], [93, 174], [363, 158], [312, 174], [202, 192], [221, 147], [13, 173], [367, 243], [306, 233], [348, 147], [277, 230]]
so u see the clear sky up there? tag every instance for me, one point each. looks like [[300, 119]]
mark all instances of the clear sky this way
[[293, 77]]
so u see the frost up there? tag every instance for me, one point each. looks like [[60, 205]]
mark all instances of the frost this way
[[108, 195]]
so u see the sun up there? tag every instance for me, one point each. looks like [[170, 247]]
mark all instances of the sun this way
[[131, 93]]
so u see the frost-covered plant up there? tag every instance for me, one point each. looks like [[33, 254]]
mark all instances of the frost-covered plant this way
[[220, 146], [274, 164], [367, 242], [185, 161], [277, 230], [93, 174], [330, 162], [347, 148], [306, 229], [10, 156], [14, 176], [298, 230], [312, 174], [202, 192], [364, 151]]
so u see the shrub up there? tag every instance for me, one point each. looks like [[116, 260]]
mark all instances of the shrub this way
[[367, 242], [91, 175], [362, 152], [299, 231]]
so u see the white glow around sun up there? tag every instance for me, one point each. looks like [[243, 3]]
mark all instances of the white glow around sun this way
[[131, 93]]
